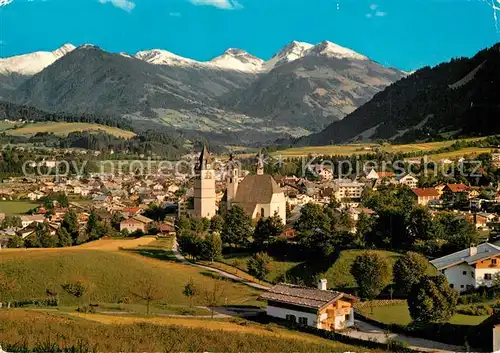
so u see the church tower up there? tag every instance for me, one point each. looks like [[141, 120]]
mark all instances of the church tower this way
[[204, 186], [260, 164], [232, 179]]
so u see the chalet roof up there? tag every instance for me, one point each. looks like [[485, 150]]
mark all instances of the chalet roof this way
[[303, 296], [425, 192], [457, 187], [142, 219], [484, 251]]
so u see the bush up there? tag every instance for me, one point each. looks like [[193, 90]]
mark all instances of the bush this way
[[394, 345], [35, 302], [477, 310]]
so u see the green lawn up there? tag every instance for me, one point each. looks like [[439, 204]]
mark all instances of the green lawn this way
[[399, 314], [278, 268], [16, 207], [338, 275]]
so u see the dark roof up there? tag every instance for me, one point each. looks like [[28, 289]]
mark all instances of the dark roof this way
[[256, 189], [303, 296], [205, 158]]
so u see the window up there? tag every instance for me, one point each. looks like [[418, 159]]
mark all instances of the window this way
[[461, 286], [464, 273], [487, 276], [493, 261], [452, 285], [303, 321], [291, 318], [262, 212]]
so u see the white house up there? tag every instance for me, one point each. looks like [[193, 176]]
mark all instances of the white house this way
[[320, 308], [470, 268], [408, 180]]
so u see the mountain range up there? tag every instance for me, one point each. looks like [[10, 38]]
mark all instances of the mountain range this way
[[454, 99], [234, 98]]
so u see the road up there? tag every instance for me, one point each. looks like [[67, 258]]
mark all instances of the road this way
[[368, 332]]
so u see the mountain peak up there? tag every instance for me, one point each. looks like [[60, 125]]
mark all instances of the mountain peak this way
[[65, 49], [292, 51], [238, 59], [163, 57], [329, 49]]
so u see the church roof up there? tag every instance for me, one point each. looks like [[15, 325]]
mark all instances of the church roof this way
[[205, 158], [256, 189]]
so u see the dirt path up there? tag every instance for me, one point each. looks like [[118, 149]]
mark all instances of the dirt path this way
[[225, 274]]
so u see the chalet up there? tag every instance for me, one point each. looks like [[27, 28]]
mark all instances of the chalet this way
[[166, 228], [27, 220], [470, 268], [425, 195], [454, 191], [136, 223], [408, 180], [374, 175], [320, 308]]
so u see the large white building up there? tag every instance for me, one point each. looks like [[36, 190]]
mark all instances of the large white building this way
[[470, 268], [204, 187], [258, 195]]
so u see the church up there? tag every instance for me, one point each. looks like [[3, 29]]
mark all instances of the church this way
[[258, 195]]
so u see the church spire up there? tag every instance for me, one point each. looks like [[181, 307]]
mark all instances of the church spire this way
[[205, 158], [260, 163]]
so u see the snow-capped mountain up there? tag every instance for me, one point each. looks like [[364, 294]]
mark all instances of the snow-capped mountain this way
[[333, 50], [163, 57], [293, 51], [30, 64], [237, 59]]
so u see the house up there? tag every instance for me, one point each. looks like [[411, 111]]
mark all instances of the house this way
[[425, 195], [470, 268], [136, 223], [166, 228], [35, 195], [346, 189], [27, 220], [408, 180], [320, 308], [455, 191], [374, 175]]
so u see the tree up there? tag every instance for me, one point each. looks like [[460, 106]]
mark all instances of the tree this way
[[94, 228], [259, 265], [78, 288], [15, 242], [432, 300], [217, 224], [11, 222], [148, 290], [372, 274], [408, 270], [191, 243], [116, 219], [70, 222], [7, 287], [213, 296], [237, 227], [312, 217], [212, 247], [190, 291], [63, 238], [364, 226], [266, 229]]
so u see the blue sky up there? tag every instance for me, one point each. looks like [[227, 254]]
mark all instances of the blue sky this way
[[405, 34]]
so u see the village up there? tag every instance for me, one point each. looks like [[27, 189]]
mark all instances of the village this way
[[275, 217]]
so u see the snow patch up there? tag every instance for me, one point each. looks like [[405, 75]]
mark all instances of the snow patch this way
[[33, 63]]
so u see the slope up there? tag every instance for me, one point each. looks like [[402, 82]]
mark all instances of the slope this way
[[452, 99]]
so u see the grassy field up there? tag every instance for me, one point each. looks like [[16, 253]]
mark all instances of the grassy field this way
[[469, 151], [113, 275], [338, 275], [48, 331], [363, 148], [399, 314], [16, 207], [63, 129]]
